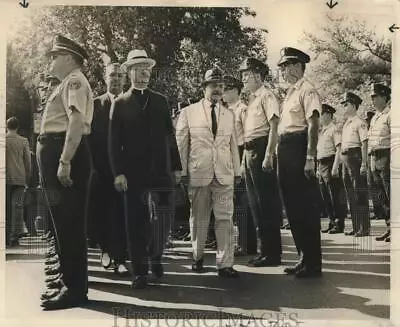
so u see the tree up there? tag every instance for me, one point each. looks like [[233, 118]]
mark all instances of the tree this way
[[350, 56]]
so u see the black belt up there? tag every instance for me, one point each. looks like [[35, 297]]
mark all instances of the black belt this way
[[287, 137], [351, 150], [43, 138], [251, 145], [380, 152]]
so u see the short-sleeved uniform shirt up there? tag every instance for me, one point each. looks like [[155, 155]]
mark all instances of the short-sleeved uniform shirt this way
[[299, 105], [355, 131], [239, 109], [259, 112], [379, 131], [73, 91], [328, 140]]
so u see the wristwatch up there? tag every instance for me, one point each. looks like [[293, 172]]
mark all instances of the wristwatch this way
[[310, 157]]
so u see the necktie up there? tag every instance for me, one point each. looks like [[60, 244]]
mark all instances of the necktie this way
[[213, 120]]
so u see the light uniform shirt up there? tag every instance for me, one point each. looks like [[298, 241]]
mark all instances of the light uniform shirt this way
[[299, 104], [258, 114], [328, 140], [355, 131], [239, 110], [379, 131], [75, 91]]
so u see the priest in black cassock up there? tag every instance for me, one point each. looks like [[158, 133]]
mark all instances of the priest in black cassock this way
[[146, 165]]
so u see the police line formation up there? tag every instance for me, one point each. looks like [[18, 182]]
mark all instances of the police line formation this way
[[280, 152]]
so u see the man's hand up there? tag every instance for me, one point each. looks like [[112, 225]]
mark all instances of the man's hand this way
[[363, 169], [238, 180], [63, 174], [309, 168], [120, 183], [335, 171], [268, 163], [178, 177]]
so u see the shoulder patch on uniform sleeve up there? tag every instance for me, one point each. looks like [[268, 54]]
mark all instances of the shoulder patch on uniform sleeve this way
[[74, 84]]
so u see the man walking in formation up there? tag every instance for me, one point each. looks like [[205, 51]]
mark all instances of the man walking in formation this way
[[64, 163], [208, 148], [144, 156]]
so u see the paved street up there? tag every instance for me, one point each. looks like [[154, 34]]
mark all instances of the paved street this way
[[355, 286]]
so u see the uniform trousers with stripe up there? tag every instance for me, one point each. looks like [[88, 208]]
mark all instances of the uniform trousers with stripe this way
[[219, 198], [330, 188], [356, 190], [299, 194], [68, 207], [264, 199], [380, 168]]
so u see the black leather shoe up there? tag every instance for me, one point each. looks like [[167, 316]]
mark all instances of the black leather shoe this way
[[335, 230], [383, 236], [256, 258], [52, 272], [387, 239], [52, 278], [308, 273], [140, 282], [287, 226], [351, 233], [228, 273], [51, 254], [56, 284], [52, 267], [362, 234], [50, 293], [105, 260], [53, 260], [266, 262], [64, 300], [197, 266], [157, 269]]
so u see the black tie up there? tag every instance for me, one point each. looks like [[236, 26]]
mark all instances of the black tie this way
[[213, 120]]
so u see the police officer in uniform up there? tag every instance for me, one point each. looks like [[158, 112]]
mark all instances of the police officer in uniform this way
[[379, 149], [297, 150], [260, 123], [64, 162], [328, 156], [106, 207], [243, 219], [354, 157]]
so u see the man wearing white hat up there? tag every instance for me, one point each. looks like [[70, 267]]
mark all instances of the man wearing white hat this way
[[143, 155]]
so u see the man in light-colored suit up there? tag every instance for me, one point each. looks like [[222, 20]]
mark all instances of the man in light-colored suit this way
[[209, 153]]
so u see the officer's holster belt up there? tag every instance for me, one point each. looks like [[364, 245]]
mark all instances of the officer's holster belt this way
[[289, 137], [380, 153], [47, 137], [252, 145], [351, 151]]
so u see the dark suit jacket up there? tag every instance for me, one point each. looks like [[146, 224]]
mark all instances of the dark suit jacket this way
[[143, 146], [98, 138]]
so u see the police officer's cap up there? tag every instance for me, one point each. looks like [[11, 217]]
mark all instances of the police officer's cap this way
[[255, 65], [326, 108], [380, 89], [232, 83], [63, 44], [352, 98], [293, 54], [213, 75]]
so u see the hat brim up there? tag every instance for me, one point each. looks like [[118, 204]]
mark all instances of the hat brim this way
[[59, 49], [217, 80], [129, 63], [286, 59]]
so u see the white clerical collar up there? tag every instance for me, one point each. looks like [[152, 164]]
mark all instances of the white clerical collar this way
[[139, 90]]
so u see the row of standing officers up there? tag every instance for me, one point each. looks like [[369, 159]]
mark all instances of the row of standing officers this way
[[131, 143]]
